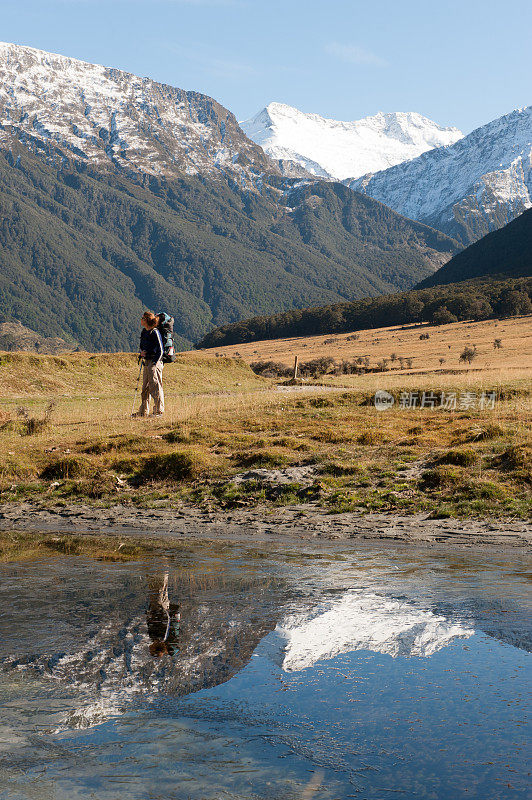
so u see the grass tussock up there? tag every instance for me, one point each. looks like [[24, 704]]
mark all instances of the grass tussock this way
[[460, 458], [65, 467], [170, 467]]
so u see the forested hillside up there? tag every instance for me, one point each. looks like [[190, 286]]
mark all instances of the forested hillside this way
[[478, 299], [82, 251], [506, 252]]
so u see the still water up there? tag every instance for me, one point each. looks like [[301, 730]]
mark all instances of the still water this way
[[376, 672]]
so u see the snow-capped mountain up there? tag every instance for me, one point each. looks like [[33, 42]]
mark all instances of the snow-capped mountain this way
[[329, 148], [101, 115], [363, 621], [469, 188]]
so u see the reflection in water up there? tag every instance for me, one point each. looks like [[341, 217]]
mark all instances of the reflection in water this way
[[241, 676], [364, 621], [162, 617], [137, 645]]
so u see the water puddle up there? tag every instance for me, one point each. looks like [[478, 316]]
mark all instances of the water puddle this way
[[377, 672]]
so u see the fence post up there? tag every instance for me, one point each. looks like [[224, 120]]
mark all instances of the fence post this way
[[295, 368]]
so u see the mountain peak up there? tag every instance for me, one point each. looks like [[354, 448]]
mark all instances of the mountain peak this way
[[109, 117], [344, 149], [468, 189]]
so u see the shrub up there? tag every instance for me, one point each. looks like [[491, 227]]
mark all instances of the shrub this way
[[460, 458], [370, 437], [485, 434], [178, 466], [339, 469], [517, 456], [259, 458], [67, 467], [33, 424], [271, 369], [440, 477], [468, 354]]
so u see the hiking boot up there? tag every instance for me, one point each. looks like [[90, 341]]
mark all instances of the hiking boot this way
[[139, 414]]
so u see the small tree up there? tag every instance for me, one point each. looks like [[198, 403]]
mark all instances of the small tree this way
[[442, 362], [393, 357], [409, 362], [468, 354], [497, 344]]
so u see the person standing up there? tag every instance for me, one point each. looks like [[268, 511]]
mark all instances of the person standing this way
[[151, 351]]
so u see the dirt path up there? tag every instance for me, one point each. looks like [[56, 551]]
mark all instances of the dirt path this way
[[305, 522]]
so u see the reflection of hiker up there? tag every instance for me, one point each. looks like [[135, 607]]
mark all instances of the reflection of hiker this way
[[151, 350], [161, 617]]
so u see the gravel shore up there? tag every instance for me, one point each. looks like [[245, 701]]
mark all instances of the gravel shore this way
[[261, 524]]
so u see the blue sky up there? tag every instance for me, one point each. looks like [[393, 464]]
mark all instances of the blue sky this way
[[459, 62]]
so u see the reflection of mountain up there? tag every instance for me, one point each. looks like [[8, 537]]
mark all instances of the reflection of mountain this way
[[364, 621], [114, 666]]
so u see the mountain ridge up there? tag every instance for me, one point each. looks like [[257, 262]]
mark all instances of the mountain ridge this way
[[120, 193], [338, 150], [82, 253], [116, 119], [466, 189], [506, 252]]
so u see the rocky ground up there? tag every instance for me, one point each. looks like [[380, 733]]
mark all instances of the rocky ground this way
[[262, 524]]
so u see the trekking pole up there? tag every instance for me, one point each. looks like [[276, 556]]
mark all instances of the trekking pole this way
[[141, 363]]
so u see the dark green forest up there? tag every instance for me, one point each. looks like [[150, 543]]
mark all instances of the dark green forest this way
[[477, 299], [487, 279], [507, 251], [82, 253]]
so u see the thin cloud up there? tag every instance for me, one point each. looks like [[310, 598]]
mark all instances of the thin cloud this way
[[354, 54], [200, 55]]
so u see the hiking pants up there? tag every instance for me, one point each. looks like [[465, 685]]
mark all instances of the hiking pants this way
[[152, 385]]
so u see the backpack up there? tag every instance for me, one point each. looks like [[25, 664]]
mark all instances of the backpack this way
[[166, 329]]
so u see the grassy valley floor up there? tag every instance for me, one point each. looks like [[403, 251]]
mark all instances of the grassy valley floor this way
[[233, 442]]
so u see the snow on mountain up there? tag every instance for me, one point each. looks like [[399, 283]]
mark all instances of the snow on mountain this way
[[363, 621], [105, 116], [469, 188], [328, 148]]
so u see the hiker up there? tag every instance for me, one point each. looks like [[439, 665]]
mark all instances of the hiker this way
[[162, 617], [151, 352]]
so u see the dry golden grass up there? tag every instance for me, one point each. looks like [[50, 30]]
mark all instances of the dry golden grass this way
[[444, 342], [223, 420]]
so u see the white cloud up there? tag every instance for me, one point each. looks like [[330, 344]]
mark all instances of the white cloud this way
[[354, 54]]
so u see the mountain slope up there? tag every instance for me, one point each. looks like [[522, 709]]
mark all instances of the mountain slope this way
[[467, 189], [110, 118], [83, 251], [329, 148], [483, 298], [506, 252], [120, 193]]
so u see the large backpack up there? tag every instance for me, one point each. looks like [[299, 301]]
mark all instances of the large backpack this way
[[166, 329]]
